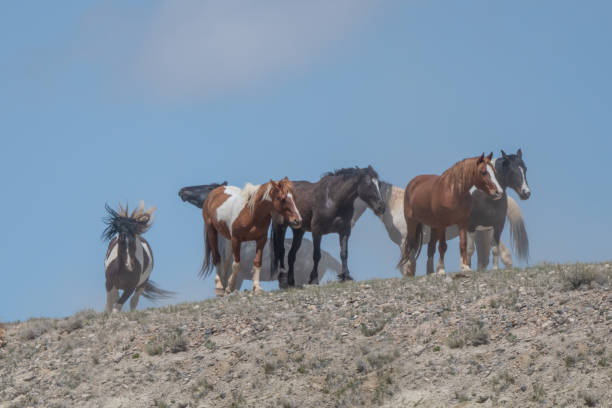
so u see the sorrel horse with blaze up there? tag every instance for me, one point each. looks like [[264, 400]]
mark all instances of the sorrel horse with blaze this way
[[244, 215], [442, 201]]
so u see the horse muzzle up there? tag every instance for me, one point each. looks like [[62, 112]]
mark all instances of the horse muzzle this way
[[379, 209], [295, 224], [525, 194]]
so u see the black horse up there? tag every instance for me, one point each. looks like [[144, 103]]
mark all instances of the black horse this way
[[486, 212], [326, 207]]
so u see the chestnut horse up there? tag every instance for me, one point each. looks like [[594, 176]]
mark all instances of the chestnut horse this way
[[244, 215], [442, 201]]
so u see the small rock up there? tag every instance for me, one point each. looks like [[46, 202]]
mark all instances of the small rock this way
[[523, 388], [482, 399]]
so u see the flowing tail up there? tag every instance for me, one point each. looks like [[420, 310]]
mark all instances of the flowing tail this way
[[207, 265], [328, 262], [518, 232], [152, 292], [408, 250]]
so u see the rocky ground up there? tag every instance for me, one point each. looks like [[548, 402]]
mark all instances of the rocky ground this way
[[515, 338]]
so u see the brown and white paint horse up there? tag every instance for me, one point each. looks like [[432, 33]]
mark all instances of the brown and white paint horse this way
[[244, 215], [442, 201], [129, 258]]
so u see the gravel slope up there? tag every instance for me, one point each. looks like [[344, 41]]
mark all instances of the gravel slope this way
[[516, 338]]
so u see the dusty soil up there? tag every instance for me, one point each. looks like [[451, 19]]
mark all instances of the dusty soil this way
[[515, 338]]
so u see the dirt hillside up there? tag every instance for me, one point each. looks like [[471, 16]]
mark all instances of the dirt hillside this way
[[517, 338]]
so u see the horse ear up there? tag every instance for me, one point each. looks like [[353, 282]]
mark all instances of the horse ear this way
[[503, 154], [490, 156], [275, 184], [480, 159], [519, 153]]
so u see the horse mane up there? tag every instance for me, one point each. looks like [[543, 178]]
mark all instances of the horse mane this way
[[137, 223], [461, 173], [252, 194], [349, 172]]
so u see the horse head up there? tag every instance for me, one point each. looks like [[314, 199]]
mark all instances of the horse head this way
[[486, 177], [514, 172], [369, 190], [283, 202]]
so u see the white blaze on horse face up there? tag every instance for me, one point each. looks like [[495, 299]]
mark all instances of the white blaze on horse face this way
[[524, 186], [375, 181], [295, 210], [491, 171], [230, 209]]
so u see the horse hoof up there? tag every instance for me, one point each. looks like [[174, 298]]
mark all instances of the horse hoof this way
[[465, 268], [257, 290], [441, 272], [345, 278]]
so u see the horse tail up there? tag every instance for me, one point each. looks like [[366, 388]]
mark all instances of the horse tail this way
[[330, 262], [518, 232], [152, 292], [408, 250], [207, 265]]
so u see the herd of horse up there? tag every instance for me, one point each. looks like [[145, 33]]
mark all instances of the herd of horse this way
[[468, 200]]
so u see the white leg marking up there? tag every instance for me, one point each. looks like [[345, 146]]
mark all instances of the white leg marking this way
[[440, 268], [256, 285], [505, 255], [232, 280]]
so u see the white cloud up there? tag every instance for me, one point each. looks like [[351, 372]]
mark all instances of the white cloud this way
[[195, 48]]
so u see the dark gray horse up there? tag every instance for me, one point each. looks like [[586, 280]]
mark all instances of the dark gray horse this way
[[196, 195], [488, 213], [326, 207]]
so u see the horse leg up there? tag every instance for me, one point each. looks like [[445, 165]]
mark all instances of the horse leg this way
[[316, 257], [344, 237], [411, 246], [505, 255], [495, 247], [112, 295], [470, 247], [465, 262], [135, 297], [231, 284], [278, 260], [222, 269], [442, 250], [261, 242], [295, 246], [483, 248], [431, 250]]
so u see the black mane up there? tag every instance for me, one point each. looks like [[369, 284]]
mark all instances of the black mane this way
[[120, 224], [351, 172]]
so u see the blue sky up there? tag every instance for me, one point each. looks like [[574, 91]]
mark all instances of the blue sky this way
[[122, 101]]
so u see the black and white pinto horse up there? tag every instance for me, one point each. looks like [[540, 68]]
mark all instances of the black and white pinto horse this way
[[129, 258], [326, 207], [487, 217], [196, 195]]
